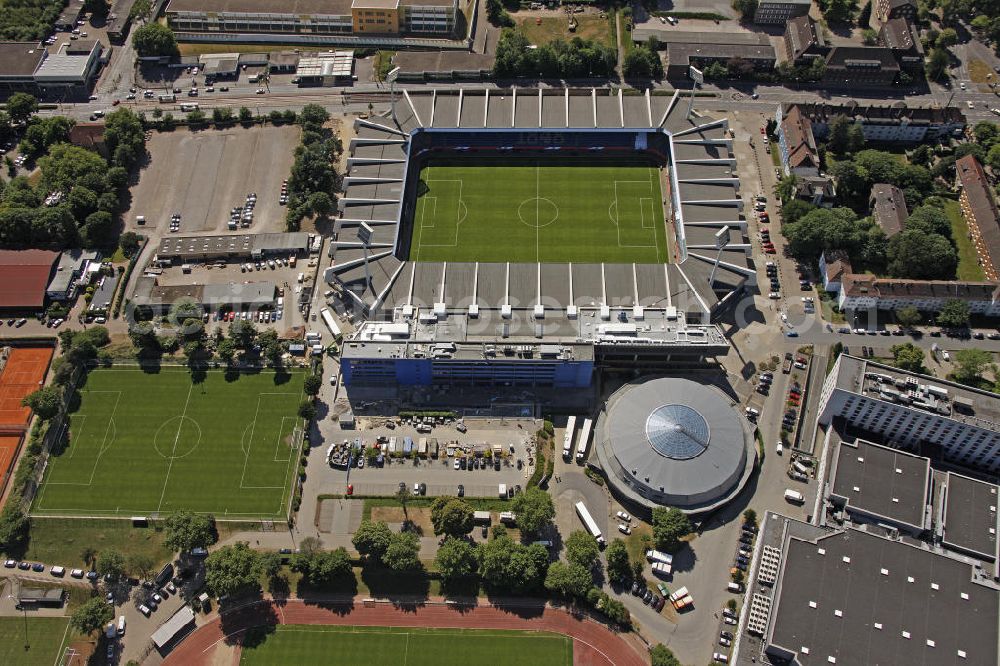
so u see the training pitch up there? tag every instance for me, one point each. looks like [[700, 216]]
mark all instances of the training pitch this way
[[539, 213], [145, 443], [46, 638], [302, 644]]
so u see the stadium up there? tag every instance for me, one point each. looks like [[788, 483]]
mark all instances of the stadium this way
[[531, 238]]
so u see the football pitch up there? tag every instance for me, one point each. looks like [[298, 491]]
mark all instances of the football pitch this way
[[539, 213], [46, 640], [145, 443], [302, 644]]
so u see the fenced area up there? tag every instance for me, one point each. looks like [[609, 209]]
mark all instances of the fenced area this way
[[145, 443], [544, 212], [22, 374]]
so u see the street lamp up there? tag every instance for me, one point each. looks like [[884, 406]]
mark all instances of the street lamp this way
[[24, 610]]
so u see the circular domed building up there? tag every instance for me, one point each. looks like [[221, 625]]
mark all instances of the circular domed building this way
[[674, 442]]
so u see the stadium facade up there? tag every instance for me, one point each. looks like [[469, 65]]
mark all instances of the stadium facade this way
[[536, 324]]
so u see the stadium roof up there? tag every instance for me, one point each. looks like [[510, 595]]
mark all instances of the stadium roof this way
[[674, 441], [881, 483], [857, 598], [970, 517], [24, 274]]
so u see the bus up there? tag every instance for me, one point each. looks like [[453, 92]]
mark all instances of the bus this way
[[568, 438], [189, 106], [168, 99]]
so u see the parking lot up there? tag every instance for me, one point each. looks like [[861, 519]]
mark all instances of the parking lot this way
[[440, 474], [204, 175]]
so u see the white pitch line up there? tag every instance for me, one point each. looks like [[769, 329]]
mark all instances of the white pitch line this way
[[174, 449]]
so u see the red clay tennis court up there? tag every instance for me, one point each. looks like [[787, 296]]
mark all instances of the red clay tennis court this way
[[23, 374], [8, 450]]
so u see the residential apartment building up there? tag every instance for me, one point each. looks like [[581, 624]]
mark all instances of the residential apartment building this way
[[867, 292], [804, 41], [833, 266], [311, 17], [888, 206], [777, 12], [900, 36], [891, 9], [797, 144], [681, 55], [886, 123], [980, 211], [853, 66], [933, 417]]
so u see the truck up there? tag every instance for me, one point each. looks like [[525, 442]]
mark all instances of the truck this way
[[581, 444], [588, 522], [508, 518], [658, 556], [794, 496], [331, 324], [787, 366], [568, 438], [502, 491], [662, 569]]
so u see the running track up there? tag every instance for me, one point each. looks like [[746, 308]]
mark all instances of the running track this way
[[593, 645]]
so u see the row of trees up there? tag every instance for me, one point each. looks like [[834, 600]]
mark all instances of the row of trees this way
[[516, 57], [86, 186], [313, 179]]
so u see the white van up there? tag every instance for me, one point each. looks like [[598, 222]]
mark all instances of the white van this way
[[721, 658], [121, 625], [302, 276], [794, 496], [140, 219], [735, 588], [779, 448], [58, 572], [800, 468]]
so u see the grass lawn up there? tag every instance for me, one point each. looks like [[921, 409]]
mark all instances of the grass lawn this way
[[289, 644], [550, 29], [145, 443], [968, 258], [47, 637], [980, 72], [639, 541], [534, 213], [62, 540]]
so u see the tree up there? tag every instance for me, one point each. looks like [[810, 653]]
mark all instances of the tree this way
[[947, 38], [139, 565], [451, 516], [226, 350], [242, 333], [669, 526], [642, 63], [456, 559], [746, 8], [970, 364], [918, 255], [246, 115], [110, 563], [908, 317], [534, 510], [45, 402], [837, 141], [154, 39], [750, 517], [186, 530], [661, 655], [497, 15], [323, 566], [786, 188], [13, 527], [571, 580], [313, 114], [909, 357], [993, 157], [372, 539], [92, 616], [582, 549], [21, 106], [129, 243], [312, 384], [321, 203], [87, 554], [937, 64], [510, 566], [233, 569], [307, 410], [929, 220], [618, 566], [838, 11], [402, 553], [954, 314]]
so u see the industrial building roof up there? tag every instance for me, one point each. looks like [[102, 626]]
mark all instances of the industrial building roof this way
[[20, 59], [970, 516], [172, 627], [66, 63], [194, 247], [882, 483], [857, 598], [338, 64], [24, 274], [71, 263]]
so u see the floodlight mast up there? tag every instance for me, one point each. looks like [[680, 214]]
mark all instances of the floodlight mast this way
[[391, 78], [365, 234], [698, 78], [721, 241]]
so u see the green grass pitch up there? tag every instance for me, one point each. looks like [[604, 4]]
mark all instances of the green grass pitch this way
[[539, 213], [293, 644], [46, 638], [143, 443]]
